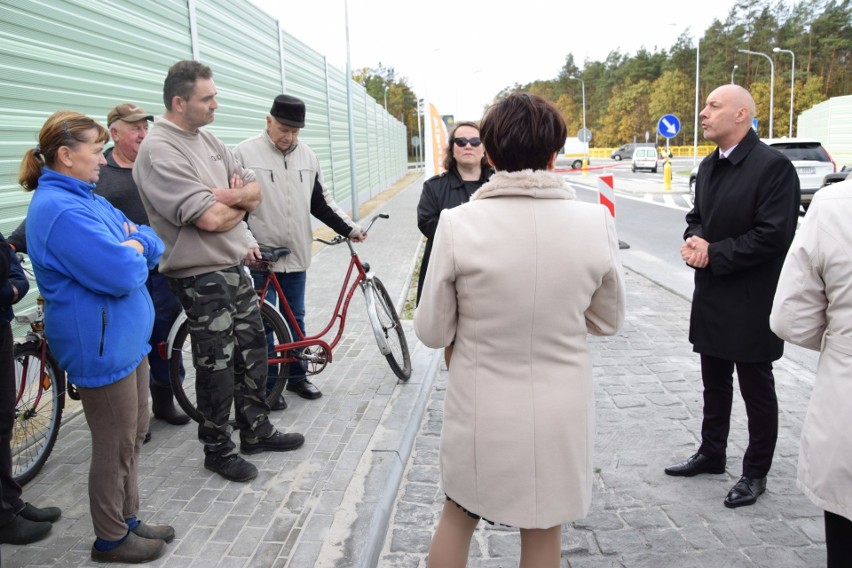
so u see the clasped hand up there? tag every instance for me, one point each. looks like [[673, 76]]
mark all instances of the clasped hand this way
[[694, 252]]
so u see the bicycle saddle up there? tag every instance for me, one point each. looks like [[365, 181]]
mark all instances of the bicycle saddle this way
[[270, 254]]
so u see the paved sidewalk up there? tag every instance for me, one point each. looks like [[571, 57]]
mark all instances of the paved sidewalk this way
[[363, 490], [320, 495], [648, 415]]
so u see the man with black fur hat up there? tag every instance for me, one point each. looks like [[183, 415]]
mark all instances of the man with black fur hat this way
[[293, 189]]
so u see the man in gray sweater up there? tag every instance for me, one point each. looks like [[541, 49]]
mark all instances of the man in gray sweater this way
[[196, 194]]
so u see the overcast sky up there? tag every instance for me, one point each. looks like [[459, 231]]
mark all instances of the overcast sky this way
[[460, 53]]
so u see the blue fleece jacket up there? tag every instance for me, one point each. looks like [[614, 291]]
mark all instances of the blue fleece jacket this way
[[97, 312]]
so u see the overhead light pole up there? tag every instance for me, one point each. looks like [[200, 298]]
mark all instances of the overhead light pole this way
[[353, 178], [732, 73], [792, 83], [771, 83], [583, 87], [695, 125]]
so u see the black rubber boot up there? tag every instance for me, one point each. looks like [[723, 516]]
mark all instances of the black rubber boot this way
[[163, 405]]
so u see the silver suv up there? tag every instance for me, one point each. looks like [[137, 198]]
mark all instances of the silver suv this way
[[811, 160]]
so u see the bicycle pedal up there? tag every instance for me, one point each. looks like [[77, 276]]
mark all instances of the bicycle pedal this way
[[72, 392]]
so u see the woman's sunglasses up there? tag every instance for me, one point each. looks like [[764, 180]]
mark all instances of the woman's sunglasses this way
[[462, 142]]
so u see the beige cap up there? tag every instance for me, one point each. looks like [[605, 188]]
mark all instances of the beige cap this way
[[128, 113]]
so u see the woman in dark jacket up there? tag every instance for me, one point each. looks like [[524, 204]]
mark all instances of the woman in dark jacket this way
[[20, 522], [466, 171]]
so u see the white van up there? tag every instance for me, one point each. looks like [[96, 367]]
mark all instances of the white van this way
[[574, 151], [645, 158]]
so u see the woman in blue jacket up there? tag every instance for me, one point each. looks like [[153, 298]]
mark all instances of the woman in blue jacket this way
[[91, 264]]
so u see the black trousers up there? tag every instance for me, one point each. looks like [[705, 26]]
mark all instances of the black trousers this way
[[838, 540], [757, 385], [10, 492]]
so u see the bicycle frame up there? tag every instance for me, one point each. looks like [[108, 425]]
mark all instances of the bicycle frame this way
[[341, 308], [44, 379], [363, 276]]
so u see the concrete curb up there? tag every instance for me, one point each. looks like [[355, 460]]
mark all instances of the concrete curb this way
[[381, 519]]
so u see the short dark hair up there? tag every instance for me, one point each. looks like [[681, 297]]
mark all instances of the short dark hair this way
[[521, 132], [180, 81], [450, 158]]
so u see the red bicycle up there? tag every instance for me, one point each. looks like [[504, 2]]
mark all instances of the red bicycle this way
[[313, 351]]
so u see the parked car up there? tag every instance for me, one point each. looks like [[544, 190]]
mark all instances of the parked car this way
[[837, 176], [813, 165], [645, 158], [625, 152], [811, 160]]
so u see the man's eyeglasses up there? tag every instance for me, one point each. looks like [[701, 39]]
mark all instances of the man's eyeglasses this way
[[462, 142]]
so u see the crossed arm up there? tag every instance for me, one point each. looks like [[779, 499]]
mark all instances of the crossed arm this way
[[232, 204]]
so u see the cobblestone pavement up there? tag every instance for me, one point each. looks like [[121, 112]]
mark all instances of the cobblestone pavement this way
[[648, 415]]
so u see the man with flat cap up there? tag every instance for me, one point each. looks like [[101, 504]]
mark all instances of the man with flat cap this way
[[293, 189], [128, 126]]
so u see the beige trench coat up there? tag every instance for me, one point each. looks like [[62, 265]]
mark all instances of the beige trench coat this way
[[518, 277], [813, 308]]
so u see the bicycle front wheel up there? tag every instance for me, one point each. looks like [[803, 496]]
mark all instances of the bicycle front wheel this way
[[276, 332], [388, 330], [39, 400]]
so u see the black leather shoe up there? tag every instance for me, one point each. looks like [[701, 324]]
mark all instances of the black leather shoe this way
[[232, 467], [305, 389], [163, 407], [23, 531], [40, 515], [277, 442], [279, 404], [745, 492], [695, 464]]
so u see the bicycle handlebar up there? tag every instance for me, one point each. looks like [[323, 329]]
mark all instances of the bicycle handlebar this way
[[340, 238]]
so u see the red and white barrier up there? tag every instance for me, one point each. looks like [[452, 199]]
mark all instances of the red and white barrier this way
[[606, 193]]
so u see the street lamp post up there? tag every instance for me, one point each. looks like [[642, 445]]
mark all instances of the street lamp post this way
[[583, 87], [792, 83], [771, 83], [695, 126], [732, 73]]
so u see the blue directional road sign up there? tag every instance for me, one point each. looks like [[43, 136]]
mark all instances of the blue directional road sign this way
[[669, 126]]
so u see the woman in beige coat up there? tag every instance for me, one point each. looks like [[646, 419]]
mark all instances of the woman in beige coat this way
[[813, 308], [519, 275]]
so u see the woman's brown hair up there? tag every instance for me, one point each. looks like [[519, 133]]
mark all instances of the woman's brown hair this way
[[62, 128], [522, 132]]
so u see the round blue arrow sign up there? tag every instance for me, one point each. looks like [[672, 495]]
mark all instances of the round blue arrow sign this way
[[669, 126]]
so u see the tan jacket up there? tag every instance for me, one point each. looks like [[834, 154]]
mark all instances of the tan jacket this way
[[813, 308], [293, 190], [518, 277]]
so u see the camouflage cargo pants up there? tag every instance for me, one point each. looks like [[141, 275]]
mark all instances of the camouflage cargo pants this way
[[228, 353]]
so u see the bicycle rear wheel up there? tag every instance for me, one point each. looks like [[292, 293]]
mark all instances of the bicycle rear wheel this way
[[388, 330], [277, 332], [39, 400]]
